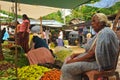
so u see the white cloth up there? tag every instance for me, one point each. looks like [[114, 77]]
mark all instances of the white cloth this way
[[60, 35], [47, 34]]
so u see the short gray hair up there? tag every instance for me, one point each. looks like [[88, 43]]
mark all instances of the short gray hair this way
[[102, 18], [35, 29]]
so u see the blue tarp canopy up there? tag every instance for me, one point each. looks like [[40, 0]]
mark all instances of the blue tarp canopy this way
[[104, 3]]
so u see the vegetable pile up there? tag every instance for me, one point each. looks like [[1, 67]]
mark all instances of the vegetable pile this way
[[53, 74], [5, 66], [61, 53], [32, 72]]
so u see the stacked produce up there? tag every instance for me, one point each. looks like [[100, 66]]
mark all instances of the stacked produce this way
[[5, 65], [52, 45], [32, 72], [61, 53], [51, 66], [53, 74], [8, 74]]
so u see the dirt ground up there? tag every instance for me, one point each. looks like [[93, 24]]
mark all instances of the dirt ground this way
[[77, 49]]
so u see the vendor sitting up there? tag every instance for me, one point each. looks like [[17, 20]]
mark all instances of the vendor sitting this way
[[101, 51], [39, 52]]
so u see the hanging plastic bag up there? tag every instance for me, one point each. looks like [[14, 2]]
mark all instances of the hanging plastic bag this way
[[6, 36]]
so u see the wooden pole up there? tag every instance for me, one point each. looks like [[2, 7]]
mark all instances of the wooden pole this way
[[1, 53], [16, 52], [116, 21], [41, 29]]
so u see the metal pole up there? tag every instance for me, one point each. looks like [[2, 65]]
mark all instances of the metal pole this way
[[116, 21]]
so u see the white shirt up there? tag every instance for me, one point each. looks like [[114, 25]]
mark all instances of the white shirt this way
[[60, 35]]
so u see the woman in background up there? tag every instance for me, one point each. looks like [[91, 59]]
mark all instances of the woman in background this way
[[60, 38], [23, 34]]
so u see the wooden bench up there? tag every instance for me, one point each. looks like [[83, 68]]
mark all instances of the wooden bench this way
[[107, 75]]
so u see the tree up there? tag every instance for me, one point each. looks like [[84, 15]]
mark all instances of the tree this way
[[54, 16], [84, 12]]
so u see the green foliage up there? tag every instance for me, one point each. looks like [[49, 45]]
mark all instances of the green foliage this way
[[54, 16], [87, 11], [8, 74], [22, 61], [10, 57], [1, 73], [84, 12], [11, 16], [112, 10]]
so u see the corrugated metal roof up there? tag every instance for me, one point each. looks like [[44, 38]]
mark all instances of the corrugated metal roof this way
[[50, 23]]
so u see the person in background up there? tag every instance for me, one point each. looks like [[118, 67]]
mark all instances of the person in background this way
[[18, 27], [30, 35], [38, 42], [39, 52], [48, 35], [80, 32], [54, 39], [23, 34], [88, 36], [85, 31], [44, 35], [60, 38], [93, 33], [101, 51], [6, 35], [2, 34]]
